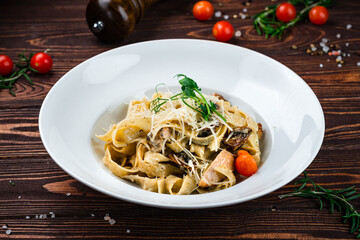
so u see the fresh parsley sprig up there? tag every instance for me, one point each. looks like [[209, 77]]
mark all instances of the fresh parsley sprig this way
[[266, 22], [190, 90], [337, 199]]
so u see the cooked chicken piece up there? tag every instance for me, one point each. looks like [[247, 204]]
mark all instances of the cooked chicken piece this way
[[219, 96], [238, 137], [260, 130], [226, 160]]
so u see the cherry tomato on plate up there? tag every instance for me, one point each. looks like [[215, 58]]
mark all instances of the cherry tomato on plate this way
[[203, 10], [245, 164], [223, 31], [318, 15], [285, 12], [41, 62], [6, 65]]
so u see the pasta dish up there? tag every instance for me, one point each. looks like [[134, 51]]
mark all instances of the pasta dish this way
[[183, 143]]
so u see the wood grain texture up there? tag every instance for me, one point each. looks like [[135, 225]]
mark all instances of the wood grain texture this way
[[41, 187]]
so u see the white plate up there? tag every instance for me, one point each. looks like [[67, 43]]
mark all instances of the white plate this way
[[90, 96]]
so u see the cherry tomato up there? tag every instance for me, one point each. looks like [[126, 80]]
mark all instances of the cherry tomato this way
[[285, 12], [319, 15], [6, 65], [245, 164], [41, 62], [223, 31], [203, 10]]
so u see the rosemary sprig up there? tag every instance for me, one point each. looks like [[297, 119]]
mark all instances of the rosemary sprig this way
[[266, 22], [190, 90], [337, 199], [23, 70]]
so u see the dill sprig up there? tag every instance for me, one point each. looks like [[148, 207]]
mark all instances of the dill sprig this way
[[24, 69], [336, 199], [266, 22], [190, 90]]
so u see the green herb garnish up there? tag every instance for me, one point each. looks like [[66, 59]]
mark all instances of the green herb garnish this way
[[23, 69], [337, 199], [190, 90], [267, 23]]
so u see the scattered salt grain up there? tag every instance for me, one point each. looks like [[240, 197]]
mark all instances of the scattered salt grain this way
[[226, 17], [8, 232], [27, 217], [322, 44], [107, 217], [245, 10], [4, 226], [321, 65], [238, 33], [348, 54], [218, 14], [52, 215], [324, 40], [19, 197], [347, 44], [348, 26], [358, 64], [36, 216], [68, 194], [339, 65], [325, 49], [128, 231], [112, 221], [242, 16], [338, 35], [328, 60], [93, 215]]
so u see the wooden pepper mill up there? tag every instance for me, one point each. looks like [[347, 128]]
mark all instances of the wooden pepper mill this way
[[113, 20]]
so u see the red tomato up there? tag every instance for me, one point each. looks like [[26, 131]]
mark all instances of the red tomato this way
[[245, 164], [6, 65], [203, 10], [285, 12], [223, 31], [41, 62], [319, 15]]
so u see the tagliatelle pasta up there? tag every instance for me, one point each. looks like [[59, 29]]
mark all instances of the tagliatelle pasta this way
[[177, 144]]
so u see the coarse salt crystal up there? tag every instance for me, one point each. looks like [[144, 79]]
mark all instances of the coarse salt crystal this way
[[44, 215], [338, 35], [313, 48], [52, 215], [339, 65], [358, 64], [27, 217], [325, 49], [19, 197], [238, 33], [128, 231], [348, 54], [328, 60], [68, 194], [112, 221], [4, 226], [226, 17], [339, 58], [321, 65], [242, 16], [93, 215], [347, 44], [322, 44], [8, 232], [348, 26], [218, 14], [245, 10], [324, 40]]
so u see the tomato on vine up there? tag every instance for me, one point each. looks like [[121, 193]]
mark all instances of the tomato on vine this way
[[41, 62], [203, 10], [319, 15], [285, 12], [223, 31], [6, 65]]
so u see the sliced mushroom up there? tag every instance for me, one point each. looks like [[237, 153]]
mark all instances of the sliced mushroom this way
[[180, 159], [219, 96], [238, 137], [204, 133], [156, 143]]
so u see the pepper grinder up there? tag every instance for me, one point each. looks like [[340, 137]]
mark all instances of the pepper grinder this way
[[113, 20]]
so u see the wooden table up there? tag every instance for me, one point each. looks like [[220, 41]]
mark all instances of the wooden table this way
[[34, 203]]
